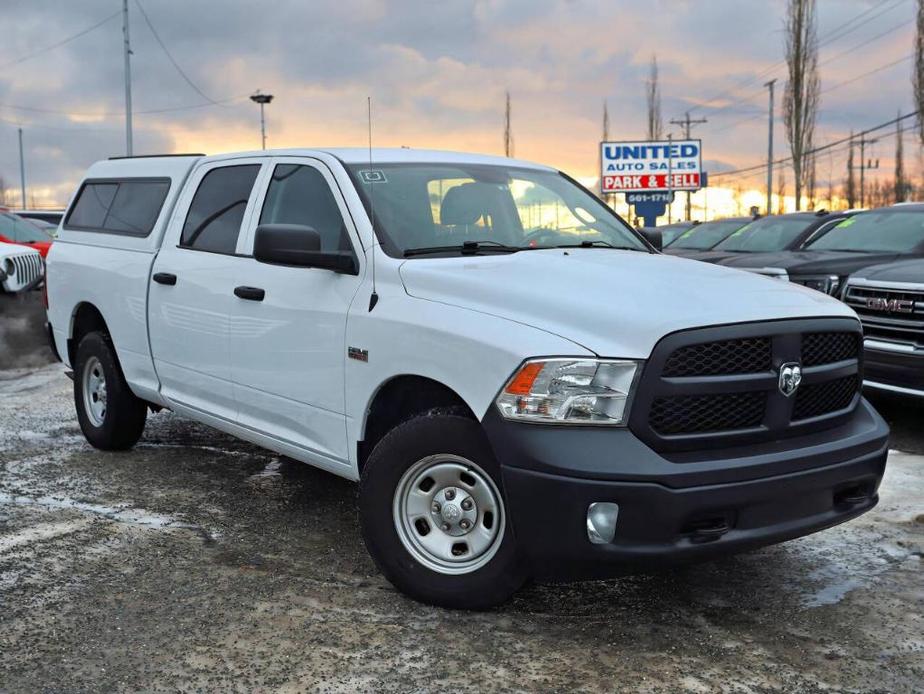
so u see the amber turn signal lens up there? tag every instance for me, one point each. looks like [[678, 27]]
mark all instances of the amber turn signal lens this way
[[522, 383]]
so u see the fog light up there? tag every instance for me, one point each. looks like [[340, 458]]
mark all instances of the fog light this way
[[601, 522]]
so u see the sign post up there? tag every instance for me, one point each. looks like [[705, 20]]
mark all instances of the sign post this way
[[649, 172]]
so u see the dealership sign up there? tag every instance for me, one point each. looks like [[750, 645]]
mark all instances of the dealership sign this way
[[629, 167]]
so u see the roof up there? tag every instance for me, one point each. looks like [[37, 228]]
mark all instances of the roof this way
[[389, 155]]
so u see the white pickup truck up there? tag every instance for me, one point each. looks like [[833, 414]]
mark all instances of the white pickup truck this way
[[522, 385]]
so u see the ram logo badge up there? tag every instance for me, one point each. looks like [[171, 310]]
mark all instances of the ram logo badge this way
[[358, 354], [891, 305], [790, 378]]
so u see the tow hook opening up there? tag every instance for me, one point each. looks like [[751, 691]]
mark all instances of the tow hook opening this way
[[853, 495], [707, 529]]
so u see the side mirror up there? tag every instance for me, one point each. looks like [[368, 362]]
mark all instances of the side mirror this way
[[299, 246], [653, 236]]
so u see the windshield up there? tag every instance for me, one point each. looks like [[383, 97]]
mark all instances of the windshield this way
[[443, 206], [706, 235], [766, 235], [17, 229], [875, 232], [671, 232]]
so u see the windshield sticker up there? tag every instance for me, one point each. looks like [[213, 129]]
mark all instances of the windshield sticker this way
[[373, 176], [847, 222]]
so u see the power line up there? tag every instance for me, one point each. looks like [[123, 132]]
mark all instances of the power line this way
[[120, 114], [41, 51], [816, 150], [867, 74], [176, 65], [829, 38]]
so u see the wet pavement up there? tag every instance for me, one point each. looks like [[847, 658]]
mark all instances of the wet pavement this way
[[198, 562]]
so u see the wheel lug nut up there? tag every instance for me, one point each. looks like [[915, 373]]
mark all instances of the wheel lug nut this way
[[450, 494], [464, 524], [467, 504], [436, 507], [445, 527]]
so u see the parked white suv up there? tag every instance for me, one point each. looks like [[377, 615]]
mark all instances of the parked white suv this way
[[21, 268], [521, 385]]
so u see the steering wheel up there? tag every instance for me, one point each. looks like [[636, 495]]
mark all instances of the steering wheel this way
[[537, 235]]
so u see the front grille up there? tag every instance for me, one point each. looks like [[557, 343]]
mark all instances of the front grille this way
[[724, 383], [827, 348], [821, 398], [885, 324], [27, 268], [706, 413], [724, 357]]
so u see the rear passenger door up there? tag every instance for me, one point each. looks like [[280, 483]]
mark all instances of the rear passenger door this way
[[192, 286], [288, 348]]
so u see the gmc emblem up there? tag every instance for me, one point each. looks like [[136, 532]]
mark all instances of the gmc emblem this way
[[890, 305]]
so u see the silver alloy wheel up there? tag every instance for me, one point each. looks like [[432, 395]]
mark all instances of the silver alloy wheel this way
[[93, 382], [449, 514]]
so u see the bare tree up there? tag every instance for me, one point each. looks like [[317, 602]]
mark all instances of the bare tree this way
[[850, 187], [901, 187], [917, 78], [781, 193], [800, 99], [653, 97], [508, 133]]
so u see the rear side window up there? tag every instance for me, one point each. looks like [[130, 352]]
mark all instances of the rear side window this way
[[217, 210], [300, 195], [124, 206]]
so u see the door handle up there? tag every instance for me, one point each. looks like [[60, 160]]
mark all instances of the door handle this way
[[249, 293], [164, 278]]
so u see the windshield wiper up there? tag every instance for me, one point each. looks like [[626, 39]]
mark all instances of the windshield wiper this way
[[466, 248], [600, 244]]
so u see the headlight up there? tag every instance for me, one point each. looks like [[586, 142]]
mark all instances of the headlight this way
[[827, 285], [569, 391], [8, 266]]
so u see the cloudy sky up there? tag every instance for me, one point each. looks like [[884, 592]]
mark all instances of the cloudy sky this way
[[437, 73]]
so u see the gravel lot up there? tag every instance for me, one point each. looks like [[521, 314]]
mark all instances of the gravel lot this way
[[198, 562]]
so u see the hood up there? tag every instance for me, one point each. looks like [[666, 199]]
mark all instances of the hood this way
[[614, 303], [839, 263], [911, 271]]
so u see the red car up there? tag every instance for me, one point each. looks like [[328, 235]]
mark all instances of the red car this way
[[15, 229]]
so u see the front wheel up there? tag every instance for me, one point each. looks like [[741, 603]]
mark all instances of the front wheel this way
[[433, 515], [110, 415]]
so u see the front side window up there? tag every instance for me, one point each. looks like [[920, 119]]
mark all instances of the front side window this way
[[875, 232], [299, 194], [420, 206], [127, 206], [705, 236], [213, 222], [19, 230], [765, 235]]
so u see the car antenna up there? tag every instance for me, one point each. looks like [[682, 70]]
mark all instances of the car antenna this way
[[374, 298]]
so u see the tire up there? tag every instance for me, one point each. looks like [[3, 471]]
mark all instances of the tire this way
[[119, 423], [470, 570]]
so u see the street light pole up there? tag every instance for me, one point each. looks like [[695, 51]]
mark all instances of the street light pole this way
[[769, 86], [263, 100], [22, 172], [127, 50]]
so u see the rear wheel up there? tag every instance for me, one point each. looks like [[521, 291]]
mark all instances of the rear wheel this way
[[434, 517], [110, 415]]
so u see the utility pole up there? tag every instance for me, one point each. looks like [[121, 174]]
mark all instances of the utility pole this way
[[769, 85], [127, 50], [670, 175], [22, 172], [508, 133], [864, 166], [686, 123], [263, 100]]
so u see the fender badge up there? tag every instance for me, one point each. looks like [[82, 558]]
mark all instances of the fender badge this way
[[358, 354]]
